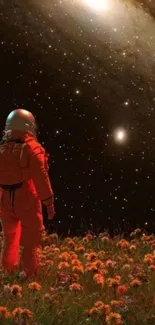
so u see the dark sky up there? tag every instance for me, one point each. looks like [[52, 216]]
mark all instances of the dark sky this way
[[84, 74]]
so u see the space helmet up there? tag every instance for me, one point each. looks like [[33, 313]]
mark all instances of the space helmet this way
[[21, 120]]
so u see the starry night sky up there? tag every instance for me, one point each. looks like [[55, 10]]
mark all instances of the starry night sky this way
[[84, 74]]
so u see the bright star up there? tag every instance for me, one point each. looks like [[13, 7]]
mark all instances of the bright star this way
[[120, 135]]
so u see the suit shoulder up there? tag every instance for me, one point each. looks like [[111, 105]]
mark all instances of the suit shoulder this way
[[34, 146]]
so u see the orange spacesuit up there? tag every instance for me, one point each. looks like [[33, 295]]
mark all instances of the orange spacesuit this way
[[25, 183]]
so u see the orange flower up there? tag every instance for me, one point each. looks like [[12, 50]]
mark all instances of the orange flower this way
[[64, 248], [117, 303], [56, 250], [63, 265], [80, 248], [34, 286], [17, 312], [85, 239], [114, 319], [69, 241], [26, 313], [118, 277], [4, 313], [99, 263], [148, 258], [130, 260], [16, 290], [76, 262], [73, 255], [110, 263], [107, 309], [123, 243], [122, 289], [99, 279], [49, 262], [152, 267], [113, 282], [132, 248], [99, 304], [78, 269], [90, 267], [64, 256], [98, 308], [126, 267], [103, 271], [135, 283], [47, 248], [75, 286], [93, 311], [91, 256]]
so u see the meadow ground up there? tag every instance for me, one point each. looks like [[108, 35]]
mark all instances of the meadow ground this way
[[84, 280]]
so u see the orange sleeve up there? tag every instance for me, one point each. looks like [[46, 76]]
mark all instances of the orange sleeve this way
[[39, 173]]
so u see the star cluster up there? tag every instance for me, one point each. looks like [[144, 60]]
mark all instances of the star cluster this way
[[88, 77]]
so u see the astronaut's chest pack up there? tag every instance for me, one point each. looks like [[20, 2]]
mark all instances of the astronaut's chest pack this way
[[10, 154]]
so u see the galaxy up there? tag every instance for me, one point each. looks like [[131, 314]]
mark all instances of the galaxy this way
[[86, 70]]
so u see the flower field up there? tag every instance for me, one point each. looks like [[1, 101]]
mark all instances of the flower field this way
[[96, 280]]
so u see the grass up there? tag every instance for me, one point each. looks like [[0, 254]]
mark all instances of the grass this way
[[85, 280]]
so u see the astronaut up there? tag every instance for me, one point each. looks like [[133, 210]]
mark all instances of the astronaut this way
[[24, 184]]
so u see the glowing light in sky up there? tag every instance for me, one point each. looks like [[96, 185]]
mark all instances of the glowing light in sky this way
[[98, 4], [120, 135]]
